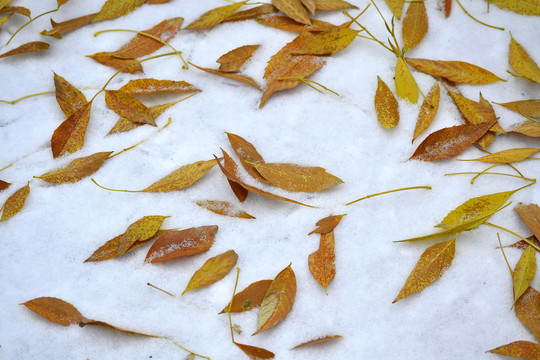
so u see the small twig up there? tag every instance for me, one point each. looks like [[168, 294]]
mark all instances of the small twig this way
[[475, 19], [157, 288], [388, 192], [230, 305], [29, 22], [505, 259], [491, 173], [513, 233]]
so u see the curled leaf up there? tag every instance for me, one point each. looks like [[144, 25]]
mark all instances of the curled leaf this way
[[15, 202], [386, 105], [213, 270], [55, 310], [77, 170], [223, 208], [16, 9], [455, 71], [26, 48], [250, 297], [428, 110]]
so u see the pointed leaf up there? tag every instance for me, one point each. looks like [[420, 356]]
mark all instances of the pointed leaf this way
[[447, 7], [406, 86], [386, 105], [522, 244], [396, 6], [252, 13], [288, 24], [278, 300], [415, 25], [223, 208], [250, 297], [128, 107], [153, 86], [238, 77], [215, 16], [68, 96], [16, 9], [26, 48], [528, 128], [4, 19], [475, 112], [213, 270], [528, 310], [67, 26], [123, 124], [322, 262], [254, 352], [77, 170], [327, 224], [455, 71], [331, 5], [293, 9], [116, 8], [15, 202], [55, 310], [508, 156], [124, 65], [140, 230], [311, 5], [530, 108], [69, 136], [318, 341], [85, 322], [522, 63], [328, 41], [4, 185], [432, 264], [4, 3], [452, 231], [524, 7], [236, 58], [524, 272], [428, 110], [247, 154], [181, 178], [519, 349], [182, 243], [530, 215]]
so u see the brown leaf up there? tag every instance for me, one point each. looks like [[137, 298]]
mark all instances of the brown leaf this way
[[328, 41], [475, 112], [116, 8], [140, 230], [128, 107], [293, 9], [396, 6], [4, 3], [415, 25], [331, 5], [528, 128], [278, 300], [55, 310], [386, 105], [4, 185], [288, 24], [153, 86], [522, 62], [522, 244], [520, 349], [524, 7], [238, 77], [213, 270], [507, 156], [318, 341], [68, 96], [247, 154], [528, 310], [254, 352], [182, 177], [236, 58], [406, 86], [26, 48], [223, 208], [85, 322], [252, 13], [69, 136], [322, 262], [447, 7], [328, 224], [15, 202], [182, 243], [530, 108], [124, 124], [4, 19], [67, 26], [455, 71], [124, 65], [428, 110], [250, 297], [77, 170], [530, 215], [16, 9], [238, 189], [215, 16]]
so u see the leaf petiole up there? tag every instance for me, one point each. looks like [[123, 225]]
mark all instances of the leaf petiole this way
[[230, 304], [308, 83], [505, 259], [491, 173], [13, 102], [388, 192], [475, 19], [5, 167], [157, 288], [29, 22]]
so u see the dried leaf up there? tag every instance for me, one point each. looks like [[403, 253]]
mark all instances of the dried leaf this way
[[455, 71], [252, 13], [4, 19], [140, 230], [528, 128], [4, 3], [327, 224], [530, 108], [61, 2], [318, 341], [153, 86], [288, 24], [528, 310], [331, 5], [238, 77], [236, 58], [278, 300], [524, 7], [311, 5], [77, 170], [476, 112], [254, 352], [26, 48], [124, 124], [213, 270], [247, 154], [522, 62], [116, 8], [67, 26], [447, 7], [406, 86], [15, 202], [293, 9], [530, 215], [294, 177], [55, 310], [428, 110], [68, 96], [524, 272], [85, 322], [16, 9], [182, 243], [386, 105], [4, 185], [520, 349], [215, 16], [415, 25], [250, 297], [124, 65], [230, 167], [322, 262], [128, 107], [223, 208], [328, 41], [182, 177], [396, 6], [507, 156], [431, 265], [522, 244]]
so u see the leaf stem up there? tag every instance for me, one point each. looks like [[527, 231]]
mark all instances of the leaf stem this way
[[388, 192], [119, 190], [505, 259], [483, 172], [307, 82], [5, 167], [13, 102], [491, 173], [513, 233], [157, 288], [475, 19], [373, 38], [28, 23], [183, 348], [230, 304]]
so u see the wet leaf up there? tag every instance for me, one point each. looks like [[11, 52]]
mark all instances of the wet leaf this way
[[386, 105], [288, 24], [238, 77], [278, 300], [322, 262], [77, 170], [294, 177], [140, 230], [396, 6], [124, 124], [55, 310], [519, 349], [431, 265], [68, 96], [154, 86], [223, 208], [522, 62], [507, 156], [181, 178], [415, 25], [455, 71], [524, 272], [318, 341], [328, 41], [15, 202], [16, 9], [128, 107], [293, 9], [331, 5], [250, 297], [528, 128], [252, 13], [236, 58], [124, 65], [4, 185], [530, 215], [327, 224], [530, 108], [26, 48], [528, 310], [247, 154], [215, 16], [476, 112], [406, 86], [428, 110], [213, 270], [182, 243], [255, 352], [524, 7], [116, 8], [67, 26]]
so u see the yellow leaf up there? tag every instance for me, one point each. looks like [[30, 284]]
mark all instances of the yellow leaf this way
[[524, 272], [247, 153], [4, 3], [528, 128], [415, 25], [116, 8], [55, 310], [128, 107], [26, 48], [528, 310], [238, 77], [213, 270], [522, 63], [328, 42], [182, 178], [530, 215], [456, 71], [331, 5], [431, 265], [69, 136], [255, 352], [428, 110], [386, 105], [524, 7], [507, 156], [406, 87], [15, 202], [252, 13], [293, 9], [77, 169], [215, 16], [396, 6], [140, 230], [322, 262], [236, 58], [519, 349], [68, 97], [223, 208], [476, 112], [528, 107], [123, 124]]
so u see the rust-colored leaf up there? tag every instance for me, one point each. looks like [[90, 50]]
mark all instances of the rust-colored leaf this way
[[26, 48], [278, 300], [254, 352], [331, 5], [247, 154], [328, 41], [386, 105], [406, 86], [250, 297], [530, 108], [293, 9], [528, 310], [522, 244], [77, 170], [116, 8], [4, 185], [318, 341], [215, 16], [431, 265], [213, 270], [522, 62], [16, 9], [55, 310], [140, 230], [124, 65], [236, 58], [68, 96], [182, 243], [455, 71], [322, 262], [415, 25], [231, 168], [128, 107], [252, 13], [530, 215], [182, 177], [69, 136], [154, 86], [428, 110], [67, 26], [396, 6], [524, 272], [123, 124], [223, 208], [475, 112], [447, 7], [528, 128], [15, 202], [288, 24], [519, 349], [524, 7], [234, 76], [507, 156], [327, 224]]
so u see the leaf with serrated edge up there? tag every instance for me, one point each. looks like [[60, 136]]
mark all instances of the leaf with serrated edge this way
[[415, 25], [318, 341], [252, 13], [528, 310], [27, 48], [530, 215], [406, 86], [215, 16], [328, 41], [386, 105], [507, 156], [154, 86], [128, 107], [254, 352], [288, 24], [77, 170], [322, 262], [530, 108], [278, 300], [250, 297], [69, 136], [140, 230], [55, 310], [124, 124], [247, 153], [428, 110], [455, 71], [327, 224], [396, 6], [223, 208], [116, 8], [522, 62], [519, 349], [182, 243], [528, 128], [213, 270], [524, 272], [238, 77], [524, 7], [431, 265], [129, 66], [236, 58], [68, 96], [15, 202], [181, 178], [293, 9], [332, 5], [4, 185]]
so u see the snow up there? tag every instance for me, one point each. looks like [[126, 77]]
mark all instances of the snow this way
[[460, 316]]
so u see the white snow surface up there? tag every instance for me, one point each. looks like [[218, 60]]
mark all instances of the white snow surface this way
[[460, 316]]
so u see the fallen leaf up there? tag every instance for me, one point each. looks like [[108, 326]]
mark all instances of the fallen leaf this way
[[238, 77], [288, 24], [386, 105], [140, 230], [4, 3], [154, 86], [431, 265], [318, 341], [68, 96], [55, 310], [4, 185], [85, 322], [520, 349], [26, 48], [327, 224], [406, 86], [250, 297], [507, 156], [213, 270], [528, 128], [181, 178], [128, 107], [524, 7], [530, 108], [124, 65], [447, 7], [231, 168], [327, 42], [528, 310], [522, 62], [476, 112], [414, 26], [455, 71], [293, 9], [322, 262], [396, 6], [428, 110], [215, 16], [522, 244], [223, 208], [310, 5], [182, 243], [64, 27], [524, 272], [123, 124], [331, 5], [16, 9], [77, 170], [255, 352], [236, 58], [252, 13], [15, 202], [116, 8], [247, 154], [278, 300], [530, 215], [69, 136]]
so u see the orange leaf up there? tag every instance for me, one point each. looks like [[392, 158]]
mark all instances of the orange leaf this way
[[322, 262], [528, 128], [447, 7], [396, 6], [328, 42], [238, 77], [182, 177], [68, 96], [455, 71], [530, 108], [140, 230], [530, 215], [116, 8], [522, 62], [255, 352], [223, 208], [67, 26], [415, 25], [288, 24], [15, 202], [331, 5], [278, 300], [327, 224], [215, 16], [182, 243], [85, 322], [123, 124], [153, 86], [293, 9], [520, 349], [236, 58], [213, 270], [252, 13], [128, 107], [26, 48], [522, 244], [247, 154], [318, 341], [77, 170], [528, 310], [55, 310], [250, 297], [386, 105], [475, 112], [427, 111], [4, 185], [525, 7], [124, 65], [230, 167]]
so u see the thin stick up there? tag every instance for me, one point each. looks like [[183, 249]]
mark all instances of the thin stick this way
[[4, 168], [491, 173], [505, 259], [155, 287], [388, 192], [28, 23], [370, 34], [475, 19], [13, 102], [307, 82], [230, 305], [483, 172], [513, 233]]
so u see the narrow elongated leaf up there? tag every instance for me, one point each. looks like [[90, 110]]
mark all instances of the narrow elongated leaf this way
[[250, 297], [238, 77], [224, 208], [77, 170], [452, 231], [278, 300], [328, 42], [129, 66], [530, 215], [85, 322], [231, 168], [386, 105], [431, 265], [311, 5], [4, 185], [318, 341], [327, 224], [428, 110], [508, 156], [528, 128], [67, 26], [182, 243], [15, 202], [128, 107], [455, 71], [447, 7], [524, 7], [519, 349], [522, 244], [288, 24], [55, 310], [528, 310], [415, 25], [16, 9], [322, 262], [141, 229], [68, 96], [183, 177], [475, 112], [215, 16], [406, 86], [116, 8], [213, 270], [522, 62], [154, 86], [396, 6], [26, 48], [332, 5], [69, 136], [236, 58], [247, 154], [524, 272], [255, 352], [123, 124], [252, 13], [293, 9], [530, 108]]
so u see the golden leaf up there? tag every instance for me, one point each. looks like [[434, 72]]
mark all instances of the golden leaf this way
[[124, 65], [428, 110], [318, 341], [415, 25], [252, 13], [406, 86], [26, 48], [85, 322], [530, 108], [524, 272], [236, 58], [431, 265], [254, 352], [68, 96], [15, 202], [396, 6], [215, 16], [530, 215], [55, 310], [476, 112], [524, 7], [4, 3], [293, 9], [16, 9], [154, 86], [322, 262], [123, 124], [522, 63], [528, 310], [250, 297], [128, 107], [528, 128], [247, 154], [331, 5], [69, 136], [327, 224], [507, 156], [77, 169], [67, 26], [288, 24], [213, 270], [182, 177], [141, 229], [327, 42], [116, 8], [455, 71], [238, 77], [519, 349], [223, 208], [386, 105]]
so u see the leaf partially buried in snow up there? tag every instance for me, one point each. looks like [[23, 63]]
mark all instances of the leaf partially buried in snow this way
[[524, 7], [223, 208], [428, 110], [213, 270], [26, 48], [431, 265], [415, 25], [528, 128], [524, 272], [15, 202], [530, 108], [69, 136], [77, 170], [68, 96], [182, 243], [332, 5], [386, 105], [234, 76], [129, 66], [310, 5], [406, 86], [327, 224], [140, 230], [507, 156], [396, 6], [530, 215], [236, 58], [322, 262], [123, 124], [231, 168], [250, 297], [255, 352], [455, 71], [519, 349], [252, 13], [318, 341], [528, 310], [116, 8], [215, 16], [328, 41], [278, 300], [522, 62], [247, 154], [288, 24], [55, 310], [128, 107], [154, 86], [293, 9]]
